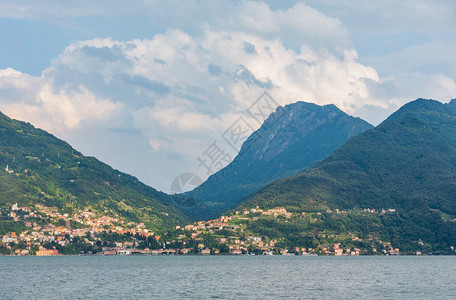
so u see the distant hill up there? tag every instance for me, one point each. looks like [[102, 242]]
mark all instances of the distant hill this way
[[37, 167], [407, 163], [293, 138]]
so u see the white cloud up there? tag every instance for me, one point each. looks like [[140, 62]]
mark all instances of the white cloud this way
[[34, 99], [295, 26], [171, 86]]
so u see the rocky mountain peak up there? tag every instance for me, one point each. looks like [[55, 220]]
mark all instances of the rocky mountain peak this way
[[292, 138]]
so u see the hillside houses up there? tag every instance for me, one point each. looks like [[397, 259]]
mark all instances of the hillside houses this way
[[91, 232]]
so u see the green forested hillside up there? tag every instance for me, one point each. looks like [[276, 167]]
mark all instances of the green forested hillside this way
[[408, 163], [36, 167]]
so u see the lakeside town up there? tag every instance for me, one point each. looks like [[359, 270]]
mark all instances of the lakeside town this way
[[47, 232]]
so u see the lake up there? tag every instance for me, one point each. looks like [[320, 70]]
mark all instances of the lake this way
[[228, 277]]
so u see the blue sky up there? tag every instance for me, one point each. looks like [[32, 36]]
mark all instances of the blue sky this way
[[148, 86]]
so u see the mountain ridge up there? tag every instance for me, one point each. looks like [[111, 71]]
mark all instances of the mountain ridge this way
[[292, 138], [407, 163]]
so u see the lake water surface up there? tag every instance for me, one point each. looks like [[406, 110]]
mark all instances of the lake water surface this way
[[228, 277]]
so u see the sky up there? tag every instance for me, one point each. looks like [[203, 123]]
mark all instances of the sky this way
[[153, 88]]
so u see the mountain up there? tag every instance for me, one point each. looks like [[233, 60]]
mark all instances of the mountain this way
[[407, 164], [292, 138], [38, 168]]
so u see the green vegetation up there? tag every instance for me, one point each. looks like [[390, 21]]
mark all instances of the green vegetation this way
[[7, 226], [38, 168]]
